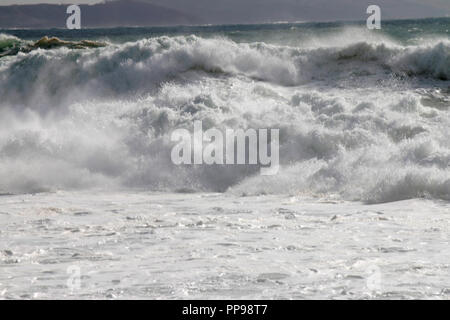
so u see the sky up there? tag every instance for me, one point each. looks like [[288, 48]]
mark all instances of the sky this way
[[221, 11]]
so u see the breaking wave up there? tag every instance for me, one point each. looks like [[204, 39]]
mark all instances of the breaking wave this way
[[351, 123]]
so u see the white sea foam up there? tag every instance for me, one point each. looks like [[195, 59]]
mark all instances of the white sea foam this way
[[145, 245], [352, 123]]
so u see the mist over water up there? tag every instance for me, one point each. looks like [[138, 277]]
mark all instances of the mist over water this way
[[362, 115]]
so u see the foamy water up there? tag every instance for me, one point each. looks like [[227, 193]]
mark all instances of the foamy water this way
[[215, 246], [363, 119]]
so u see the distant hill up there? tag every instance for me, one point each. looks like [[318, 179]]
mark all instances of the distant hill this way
[[111, 14], [260, 11]]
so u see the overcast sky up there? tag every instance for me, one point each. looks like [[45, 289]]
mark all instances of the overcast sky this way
[[278, 10]]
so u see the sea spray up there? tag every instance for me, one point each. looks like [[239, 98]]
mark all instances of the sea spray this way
[[360, 120]]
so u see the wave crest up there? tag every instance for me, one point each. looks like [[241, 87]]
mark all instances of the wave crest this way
[[351, 139], [139, 67]]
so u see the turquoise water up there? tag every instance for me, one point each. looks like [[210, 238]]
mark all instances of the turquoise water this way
[[405, 31]]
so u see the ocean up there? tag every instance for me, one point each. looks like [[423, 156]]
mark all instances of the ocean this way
[[359, 207]]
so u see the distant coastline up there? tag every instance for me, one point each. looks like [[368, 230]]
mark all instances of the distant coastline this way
[[138, 13], [104, 15]]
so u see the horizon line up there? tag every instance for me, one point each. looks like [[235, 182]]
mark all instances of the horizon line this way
[[232, 24]]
